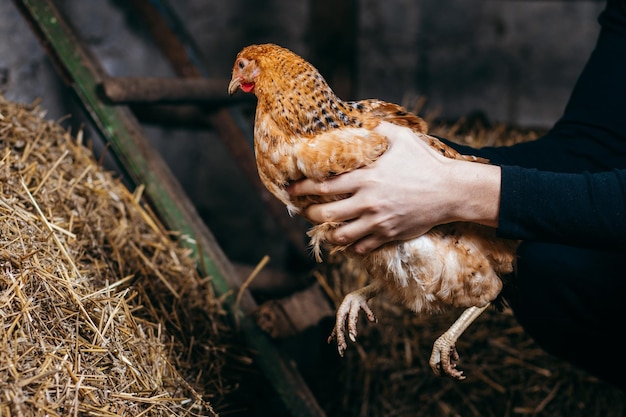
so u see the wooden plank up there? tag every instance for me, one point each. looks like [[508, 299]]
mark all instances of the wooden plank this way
[[144, 165]]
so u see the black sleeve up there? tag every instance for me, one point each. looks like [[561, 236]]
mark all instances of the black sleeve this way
[[587, 209], [569, 185]]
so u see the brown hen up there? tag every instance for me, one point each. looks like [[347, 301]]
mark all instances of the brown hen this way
[[302, 129]]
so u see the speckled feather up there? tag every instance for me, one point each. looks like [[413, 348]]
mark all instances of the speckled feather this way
[[302, 129]]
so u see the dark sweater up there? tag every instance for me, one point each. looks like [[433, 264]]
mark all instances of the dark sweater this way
[[569, 186]]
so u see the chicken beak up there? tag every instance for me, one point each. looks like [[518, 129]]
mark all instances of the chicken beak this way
[[235, 83]]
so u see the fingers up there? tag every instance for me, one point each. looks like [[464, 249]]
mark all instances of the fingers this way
[[341, 184], [358, 234], [335, 211], [356, 230], [350, 232], [368, 244], [357, 227]]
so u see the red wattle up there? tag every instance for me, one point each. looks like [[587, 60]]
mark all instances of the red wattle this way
[[247, 87]]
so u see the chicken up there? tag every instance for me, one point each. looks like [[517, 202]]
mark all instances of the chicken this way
[[302, 129]]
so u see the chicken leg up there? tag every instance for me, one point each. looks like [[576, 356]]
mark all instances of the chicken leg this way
[[349, 311], [444, 355]]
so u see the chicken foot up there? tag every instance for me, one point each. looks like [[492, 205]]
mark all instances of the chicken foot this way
[[444, 355], [348, 311]]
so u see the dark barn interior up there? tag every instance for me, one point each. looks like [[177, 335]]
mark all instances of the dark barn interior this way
[[146, 81]]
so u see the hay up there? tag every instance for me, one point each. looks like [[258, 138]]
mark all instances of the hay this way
[[386, 373], [101, 312]]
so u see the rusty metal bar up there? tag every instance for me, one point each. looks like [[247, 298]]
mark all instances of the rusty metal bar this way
[[145, 166], [178, 47], [157, 90]]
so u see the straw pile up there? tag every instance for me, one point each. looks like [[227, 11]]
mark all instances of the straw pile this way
[[101, 312], [386, 373]]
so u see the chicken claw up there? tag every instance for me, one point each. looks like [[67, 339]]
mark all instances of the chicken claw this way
[[349, 311], [444, 358]]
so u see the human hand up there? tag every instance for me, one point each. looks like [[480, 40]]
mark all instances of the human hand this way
[[407, 191], [398, 197]]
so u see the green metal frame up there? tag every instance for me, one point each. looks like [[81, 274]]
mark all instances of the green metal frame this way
[[123, 133]]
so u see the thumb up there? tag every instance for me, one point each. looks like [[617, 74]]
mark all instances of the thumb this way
[[392, 131], [395, 132]]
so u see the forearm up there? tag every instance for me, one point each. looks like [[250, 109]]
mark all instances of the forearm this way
[[587, 209], [474, 192]]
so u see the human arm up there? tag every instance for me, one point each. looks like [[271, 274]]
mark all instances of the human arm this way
[[589, 141], [576, 194], [411, 189], [392, 200]]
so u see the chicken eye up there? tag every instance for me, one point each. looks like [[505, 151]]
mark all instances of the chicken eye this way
[[240, 64]]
